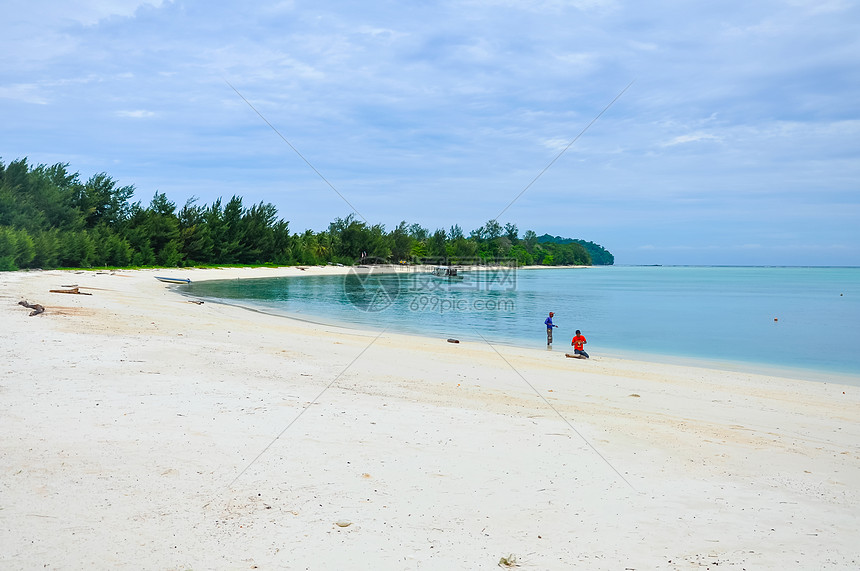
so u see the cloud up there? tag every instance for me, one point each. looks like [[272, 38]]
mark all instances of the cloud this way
[[89, 12], [137, 114], [546, 5], [26, 93], [741, 127], [557, 144], [690, 138]]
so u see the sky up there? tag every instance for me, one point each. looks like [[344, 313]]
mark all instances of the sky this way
[[714, 133]]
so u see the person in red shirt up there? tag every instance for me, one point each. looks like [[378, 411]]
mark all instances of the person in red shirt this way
[[578, 342]]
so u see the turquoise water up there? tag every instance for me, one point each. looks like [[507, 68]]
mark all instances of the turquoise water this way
[[806, 318]]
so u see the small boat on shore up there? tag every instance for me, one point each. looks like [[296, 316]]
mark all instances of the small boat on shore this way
[[173, 280]]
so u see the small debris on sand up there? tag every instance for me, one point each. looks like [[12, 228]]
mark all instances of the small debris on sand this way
[[37, 309], [73, 290]]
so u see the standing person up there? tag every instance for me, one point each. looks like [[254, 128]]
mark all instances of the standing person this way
[[578, 342], [549, 326]]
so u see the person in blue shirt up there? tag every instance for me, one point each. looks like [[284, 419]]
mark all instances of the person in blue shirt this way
[[549, 327]]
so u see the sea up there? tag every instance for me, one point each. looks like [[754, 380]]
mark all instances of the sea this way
[[801, 321]]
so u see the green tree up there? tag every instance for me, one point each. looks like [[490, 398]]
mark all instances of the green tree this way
[[492, 229], [512, 233], [48, 218], [101, 201], [378, 243], [162, 227], [281, 243], [521, 255], [401, 248], [47, 249], [462, 251], [8, 249], [77, 249], [31, 199], [418, 232], [320, 246], [195, 234], [228, 242], [419, 250], [436, 244], [257, 239], [530, 240]]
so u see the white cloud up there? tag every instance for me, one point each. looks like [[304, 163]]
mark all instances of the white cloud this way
[[690, 138], [558, 144], [27, 93], [49, 13], [461, 100], [136, 114], [90, 12], [547, 5]]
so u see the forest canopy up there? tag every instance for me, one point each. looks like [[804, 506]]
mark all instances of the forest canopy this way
[[50, 218]]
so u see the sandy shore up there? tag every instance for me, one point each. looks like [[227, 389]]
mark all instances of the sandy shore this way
[[143, 431]]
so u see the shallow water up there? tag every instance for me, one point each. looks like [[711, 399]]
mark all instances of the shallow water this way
[[806, 318]]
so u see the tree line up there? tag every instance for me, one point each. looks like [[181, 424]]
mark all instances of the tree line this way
[[599, 255], [50, 218]]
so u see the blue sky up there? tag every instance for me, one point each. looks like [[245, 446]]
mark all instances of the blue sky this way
[[738, 142]]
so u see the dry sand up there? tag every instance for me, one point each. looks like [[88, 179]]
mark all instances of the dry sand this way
[[142, 431]]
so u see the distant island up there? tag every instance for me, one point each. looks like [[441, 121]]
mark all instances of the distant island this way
[[49, 218], [599, 255]]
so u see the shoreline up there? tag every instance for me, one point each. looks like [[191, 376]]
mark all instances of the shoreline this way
[[615, 354], [142, 430], [736, 366]]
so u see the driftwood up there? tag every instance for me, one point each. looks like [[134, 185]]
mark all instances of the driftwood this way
[[37, 309], [74, 290], [453, 340]]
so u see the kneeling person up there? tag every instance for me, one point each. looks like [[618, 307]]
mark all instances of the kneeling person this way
[[578, 342]]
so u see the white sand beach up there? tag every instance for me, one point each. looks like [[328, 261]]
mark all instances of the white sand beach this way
[[143, 431]]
